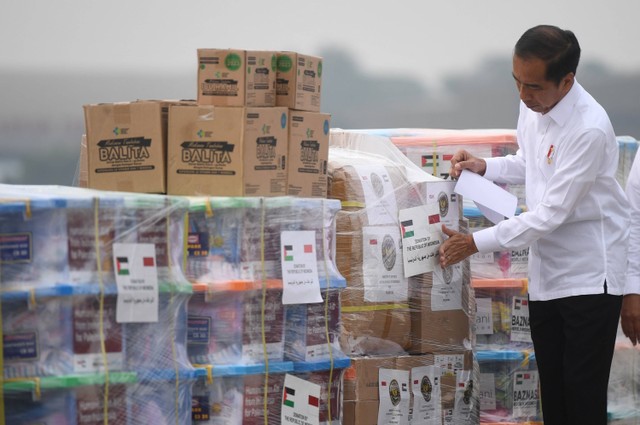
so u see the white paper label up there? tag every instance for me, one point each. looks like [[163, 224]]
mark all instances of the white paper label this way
[[301, 284], [525, 394], [520, 330], [446, 293], [482, 258], [487, 391], [450, 364], [425, 386], [379, 194], [394, 397], [443, 195], [300, 402], [463, 404], [484, 316], [137, 281], [421, 238], [382, 269]]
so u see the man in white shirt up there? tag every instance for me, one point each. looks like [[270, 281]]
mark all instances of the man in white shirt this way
[[630, 316], [576, 225]]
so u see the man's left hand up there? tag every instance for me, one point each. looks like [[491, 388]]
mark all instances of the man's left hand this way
[[456, 248], [630, 317]]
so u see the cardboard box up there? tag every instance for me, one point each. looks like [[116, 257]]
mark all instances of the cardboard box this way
[[299, 81], [126, 145], [361, 378], [440, 316], [221, 77], [266, 136], [308, 154], [205, 155], [360, 412], [260, 85]]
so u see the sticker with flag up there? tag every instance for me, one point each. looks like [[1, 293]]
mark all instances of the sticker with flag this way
[[407, 229], [288, 396], [288, 253], [314, 401], [300, 401], [428, 160], [122, 266], [520, 302], [300, 279], [136, 281], [434, 219]]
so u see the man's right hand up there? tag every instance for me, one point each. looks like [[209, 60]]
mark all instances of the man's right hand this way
[[463, 160]]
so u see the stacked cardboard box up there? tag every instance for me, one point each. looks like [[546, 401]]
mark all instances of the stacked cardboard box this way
[[393, 317], [255, 130]]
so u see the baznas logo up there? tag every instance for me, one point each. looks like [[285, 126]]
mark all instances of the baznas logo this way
[[394, 392], [443, 204], [388, 249], [426, 388]]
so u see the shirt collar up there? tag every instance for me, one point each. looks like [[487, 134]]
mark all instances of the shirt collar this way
[[563, 109]]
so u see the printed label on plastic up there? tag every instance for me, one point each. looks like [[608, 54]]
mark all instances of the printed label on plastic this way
[[520, 330], [198, 330], [15, 248], [463, 404], [484, 316], [20, 346], [487, 391], [382, 270], [450, 364], [301, 283], [446, 293], [425, 386], [300, 402], [525, 394], [137, 280], [421, 238], [482, 258], [379, 194], [394, 392]]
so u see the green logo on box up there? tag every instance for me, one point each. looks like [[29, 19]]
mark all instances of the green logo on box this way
[[274, 63], [233, 62], [284, 63], [319, 68]]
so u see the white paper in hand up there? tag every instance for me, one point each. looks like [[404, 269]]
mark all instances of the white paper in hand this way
[[492, 200]]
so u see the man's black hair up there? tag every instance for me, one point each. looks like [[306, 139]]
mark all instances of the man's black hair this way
[[558, 48]]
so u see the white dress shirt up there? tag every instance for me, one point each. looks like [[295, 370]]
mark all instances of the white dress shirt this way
[[633, 193], [577, 219]]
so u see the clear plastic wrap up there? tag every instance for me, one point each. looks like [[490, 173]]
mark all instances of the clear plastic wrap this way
[[432, 149], [509, 387], [624, 383], [94, 300], [393, 321]]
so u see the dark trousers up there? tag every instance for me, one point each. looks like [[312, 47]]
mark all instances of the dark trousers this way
[[574, 339]]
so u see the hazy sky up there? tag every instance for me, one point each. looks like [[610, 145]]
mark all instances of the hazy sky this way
[[421, 38]]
